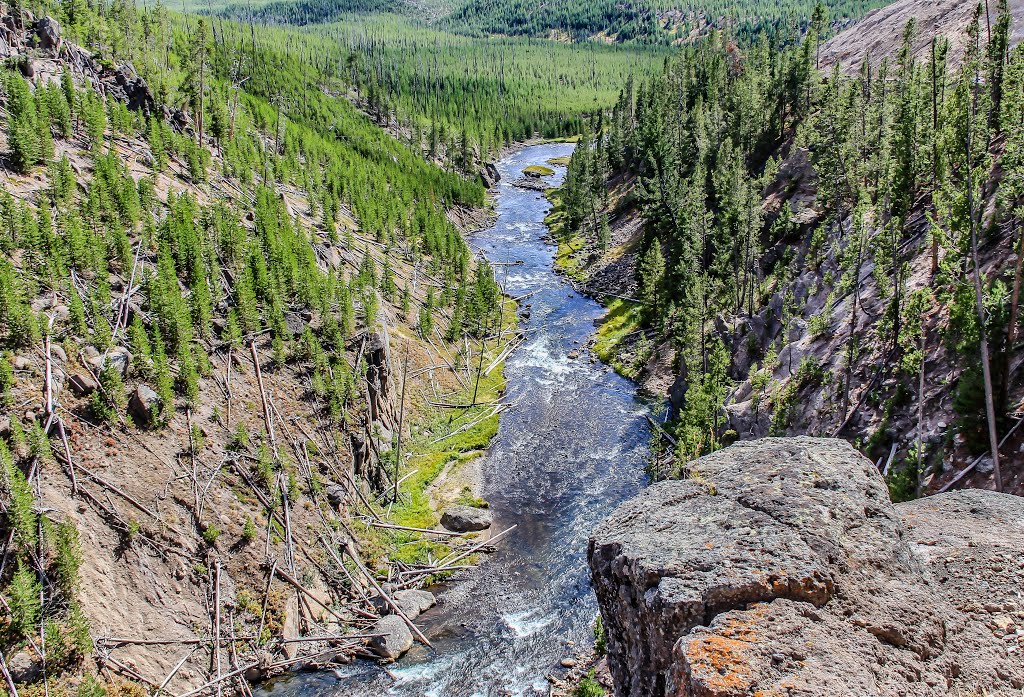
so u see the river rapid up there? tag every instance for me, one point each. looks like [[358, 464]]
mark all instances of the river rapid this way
[[571, 448]]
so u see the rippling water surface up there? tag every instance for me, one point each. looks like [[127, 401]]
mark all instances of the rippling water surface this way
[[566, 454]]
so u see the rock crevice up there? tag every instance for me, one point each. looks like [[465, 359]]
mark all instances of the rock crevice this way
[[780, 566]]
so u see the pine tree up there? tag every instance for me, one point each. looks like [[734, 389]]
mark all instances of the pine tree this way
[[651, 272]]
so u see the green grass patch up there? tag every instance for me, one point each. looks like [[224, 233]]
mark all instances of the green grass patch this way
[[562, 161], [568, 259], [461, 435], [539, 170], [622, 320], [466, 498]]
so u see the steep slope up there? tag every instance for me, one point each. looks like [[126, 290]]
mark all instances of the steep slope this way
[[879, 34], [790, 252], [220, 346]]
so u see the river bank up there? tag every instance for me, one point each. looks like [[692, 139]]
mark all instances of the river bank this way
[[571, 445]]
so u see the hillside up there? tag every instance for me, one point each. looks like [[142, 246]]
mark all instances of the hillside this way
[[239, 325], [645, 21], [789, 252], [878, 34]]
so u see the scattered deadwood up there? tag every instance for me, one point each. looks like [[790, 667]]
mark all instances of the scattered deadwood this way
[[383, 594], [302, 589], [390, 526], [970, 468], [448, 562]]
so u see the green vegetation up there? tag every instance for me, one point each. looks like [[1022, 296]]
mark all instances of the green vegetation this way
[[645, 21], [458, 99], [539, 170], [624, 319], [700, 140], [589, 687]]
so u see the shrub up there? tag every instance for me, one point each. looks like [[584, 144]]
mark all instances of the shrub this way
[[248, 531], [820, 324], [6, 379], [23, 592], [600, 637], [67, 558], [210, 534], [589, 687]]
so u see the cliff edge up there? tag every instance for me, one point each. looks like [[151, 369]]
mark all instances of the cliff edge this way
[[780, 567]]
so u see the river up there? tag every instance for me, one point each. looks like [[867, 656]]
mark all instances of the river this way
[[571, 448]]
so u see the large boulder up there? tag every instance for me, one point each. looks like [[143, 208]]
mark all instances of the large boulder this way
[[394, 637], [780, 566], [466, 518]]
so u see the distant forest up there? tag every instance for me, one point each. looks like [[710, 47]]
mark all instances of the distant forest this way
[[641, 21]]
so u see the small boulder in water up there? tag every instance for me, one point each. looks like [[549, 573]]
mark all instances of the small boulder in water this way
[[466, 519], [395, 639]]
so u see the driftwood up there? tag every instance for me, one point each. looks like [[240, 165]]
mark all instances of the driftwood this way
[[299, 587], [496, 410], [390, 526], [387, 598], [267, 417], [266, 598], [970, 468], [359, 589], [7, 676], [216, 620], [661, 432], [107, 658], [447, 563], [175, 669]]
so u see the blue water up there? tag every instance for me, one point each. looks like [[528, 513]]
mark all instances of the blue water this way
[[570, 450]]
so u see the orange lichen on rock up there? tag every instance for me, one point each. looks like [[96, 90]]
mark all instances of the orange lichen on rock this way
[[741, 628], [718, 667]]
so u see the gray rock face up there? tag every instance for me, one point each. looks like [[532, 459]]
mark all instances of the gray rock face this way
[[396, 639], [489, 176], [466, 518], [781, 566], [117, 357], [24, 667], [48, 30]]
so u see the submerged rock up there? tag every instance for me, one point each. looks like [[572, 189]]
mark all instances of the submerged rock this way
[[466, 518]]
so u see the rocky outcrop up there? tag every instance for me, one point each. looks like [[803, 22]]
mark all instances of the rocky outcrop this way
[[780, 567]]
